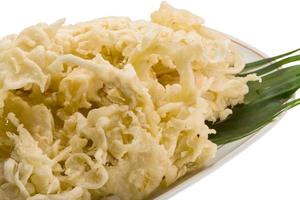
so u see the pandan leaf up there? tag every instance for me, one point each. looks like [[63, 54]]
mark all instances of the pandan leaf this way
[[273, 66], [247, 119], [274, 84], [264, 102], [255, 64]]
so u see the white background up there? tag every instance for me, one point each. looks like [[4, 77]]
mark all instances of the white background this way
[[270, 168]]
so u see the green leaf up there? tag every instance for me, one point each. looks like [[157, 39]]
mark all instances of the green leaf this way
[[255, 64], [273, 66], [274, 84], [264, 102], [246, 119]]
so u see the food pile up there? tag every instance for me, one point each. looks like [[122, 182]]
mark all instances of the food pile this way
[[112, 106]]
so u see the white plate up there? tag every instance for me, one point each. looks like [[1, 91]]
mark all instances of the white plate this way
[[225, 152]]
